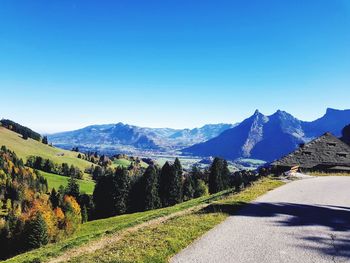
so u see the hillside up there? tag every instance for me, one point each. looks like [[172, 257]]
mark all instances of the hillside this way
[[55, 181], [124, 138], [24, 148], [269, 137], [95, 235]]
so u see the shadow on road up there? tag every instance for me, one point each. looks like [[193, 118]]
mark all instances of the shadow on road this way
[[335, 218]]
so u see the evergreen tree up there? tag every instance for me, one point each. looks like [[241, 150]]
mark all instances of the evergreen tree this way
[[54, 198], [84, 214], [111, 193], [175, 187], [73, 188], [35, 232], [121, 196], [97, 172], [188, 188], [65, 169], [72, 171], [44, 140], [48, 166], [218, 177], [164, 184], [151, 189]]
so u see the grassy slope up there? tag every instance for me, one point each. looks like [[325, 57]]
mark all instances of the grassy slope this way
[[25, 148], [158, 243], [96, 229], [55, 181]]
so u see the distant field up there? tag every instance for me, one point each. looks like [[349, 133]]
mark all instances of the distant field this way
[[126, 163], [55, 181], [25, 148], [186, 162]]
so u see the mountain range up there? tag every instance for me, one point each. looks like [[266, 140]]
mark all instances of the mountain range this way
[[125, 138], [269, 137], [257, 137]]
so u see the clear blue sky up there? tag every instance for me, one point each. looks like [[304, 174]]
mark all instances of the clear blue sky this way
[[178, 63]]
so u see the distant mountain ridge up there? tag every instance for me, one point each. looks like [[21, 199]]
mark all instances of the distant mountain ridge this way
[[269, 137], [128, 138]]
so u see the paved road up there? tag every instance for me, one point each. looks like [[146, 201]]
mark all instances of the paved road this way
[[304, 221]]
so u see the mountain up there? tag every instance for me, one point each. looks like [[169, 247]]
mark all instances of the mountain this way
[[269, 137], [124, 138], [333, 121]]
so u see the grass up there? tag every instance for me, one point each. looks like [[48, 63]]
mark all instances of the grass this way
[[24, 148], [150, 243], [158, 243], [328, 174], [126, 163], [99, 228], [55, 181]]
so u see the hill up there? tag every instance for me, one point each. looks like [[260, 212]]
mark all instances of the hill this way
[[25, 148], [55, 181], [269, 137], [129, 139]]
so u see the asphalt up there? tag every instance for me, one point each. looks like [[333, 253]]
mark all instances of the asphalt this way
[[303, 221]]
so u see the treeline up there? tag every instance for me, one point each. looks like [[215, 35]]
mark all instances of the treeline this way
[[116, 192], [46, 165], [94, 157], [24, 131], [29, 217]]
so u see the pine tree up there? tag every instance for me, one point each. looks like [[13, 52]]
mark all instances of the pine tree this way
[[97, 172], [121, 195], [111, 193], [175, 187], [54, 198], [73, 188], [164, 184], [188, 188], [218, 177], [84, 214], [151, 189], [44, 140], [35, 232]]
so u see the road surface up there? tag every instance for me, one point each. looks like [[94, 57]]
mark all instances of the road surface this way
[[303, 221]]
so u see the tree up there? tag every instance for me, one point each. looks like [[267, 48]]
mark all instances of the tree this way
[[48, 166], [54, 198], [201, 188], [164, 183], [97, 172], [218, 177], [175, 187], [346, 134], [84, 214], [35, 232], [73, 188], [188, 188], [111, 193], [151, 189], [44, 140], [65, 169], [122, 184]]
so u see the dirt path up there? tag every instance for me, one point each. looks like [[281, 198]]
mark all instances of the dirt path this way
[[110, 239]]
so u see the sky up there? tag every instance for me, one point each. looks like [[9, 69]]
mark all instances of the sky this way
[[68, 64]]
